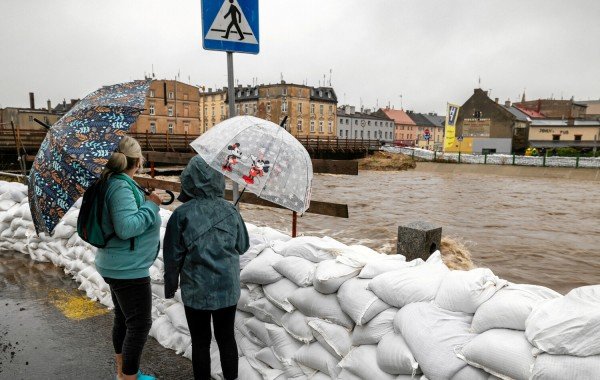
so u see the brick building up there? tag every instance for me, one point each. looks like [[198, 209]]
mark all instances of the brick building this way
[[555, 109]]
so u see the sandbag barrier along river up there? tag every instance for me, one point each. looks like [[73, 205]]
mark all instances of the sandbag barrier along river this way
[[528, 230]]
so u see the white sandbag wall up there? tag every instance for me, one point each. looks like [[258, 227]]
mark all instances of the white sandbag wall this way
[[314, 308]]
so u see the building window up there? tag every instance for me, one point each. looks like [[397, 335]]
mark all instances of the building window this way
[[341, 121], [185, 96], [355, 122], [312, 126], [246, 109], [321, 109], [369, 122], [577, 137], [171, 95], [186, 110], [362, 134], [171, 128], [284, 91], [369, 135], [152, 127], [347, 121], [170, 111], [30, 118], [299, 107], [152, 110], [386, 135], [320, 93], [329, 94], [330, 109], [312, 109], [299, 126], [186, 127], [346, 133], [477, 114], [379, 134], [151, 93], [321, 127], [284, 106], [355, 134], [330, 126], [256, 91], [212, 109], [46, 120], [341, 133], [269, 107], [555, 137]]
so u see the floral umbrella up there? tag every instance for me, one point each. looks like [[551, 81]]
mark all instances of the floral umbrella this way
[[76, 148], [263, 157]]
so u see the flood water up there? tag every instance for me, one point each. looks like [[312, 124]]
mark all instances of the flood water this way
[[529, 230]]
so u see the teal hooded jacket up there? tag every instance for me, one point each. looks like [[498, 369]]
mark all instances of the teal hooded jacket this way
[[204, 239], [122, 216]]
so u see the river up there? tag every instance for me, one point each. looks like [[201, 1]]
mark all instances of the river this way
[[529, 230]]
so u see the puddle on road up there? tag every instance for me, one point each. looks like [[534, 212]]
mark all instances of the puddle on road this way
[[20, 277]]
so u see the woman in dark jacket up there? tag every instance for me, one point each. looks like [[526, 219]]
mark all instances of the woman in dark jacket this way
[[204, 239]]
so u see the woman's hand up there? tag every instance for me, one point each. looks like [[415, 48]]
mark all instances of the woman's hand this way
[[154, 198]]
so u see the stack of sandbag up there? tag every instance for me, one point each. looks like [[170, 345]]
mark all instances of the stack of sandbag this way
[[565, 332]]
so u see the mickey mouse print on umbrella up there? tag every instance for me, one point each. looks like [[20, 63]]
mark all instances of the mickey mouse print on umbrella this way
[[263, 157]]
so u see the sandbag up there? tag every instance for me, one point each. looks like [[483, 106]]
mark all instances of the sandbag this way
[[257, 330], [314, 304], [296, 324], [563, 367], [266, 311], [510, 307], [260, 270], [267, 356], [362, 362], [296, 269], [358, 256], [283, 344], [432, 333], [473, 373], [278, 293], [251, 254], [347, 375], [377, 328], [394, 356], [311, 248], [334, 338], [330, 275], [314, 356], [246, 372], [568, 325], [501, 352], [466, 290], [385, 264], [359, 302], [414, 284], [241, 318]]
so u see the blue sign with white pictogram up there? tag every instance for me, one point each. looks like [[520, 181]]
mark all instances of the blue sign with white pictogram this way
[[230, 25]]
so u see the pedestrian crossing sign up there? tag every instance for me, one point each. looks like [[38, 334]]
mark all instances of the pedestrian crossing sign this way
[[230, 25]]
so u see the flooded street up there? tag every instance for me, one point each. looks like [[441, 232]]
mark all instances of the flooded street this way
[[531, 230]]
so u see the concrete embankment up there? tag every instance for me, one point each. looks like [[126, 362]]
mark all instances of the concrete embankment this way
[[583, 174]]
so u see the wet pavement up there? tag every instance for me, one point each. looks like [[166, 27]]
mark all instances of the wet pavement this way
[[49, 330]]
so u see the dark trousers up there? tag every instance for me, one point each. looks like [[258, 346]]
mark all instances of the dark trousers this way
[[200, 330], [133, 319]]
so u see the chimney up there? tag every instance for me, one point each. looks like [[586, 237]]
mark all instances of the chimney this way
[[31, 101], [507, 103], [49, 106], [496, 100]]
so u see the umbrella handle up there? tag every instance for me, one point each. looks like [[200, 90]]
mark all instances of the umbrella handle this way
[[164, 203], [239, 197]]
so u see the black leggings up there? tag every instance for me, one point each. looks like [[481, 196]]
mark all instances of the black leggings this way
[[133, 319], [200, 330]]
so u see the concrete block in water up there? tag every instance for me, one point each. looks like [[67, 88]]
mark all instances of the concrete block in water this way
[[418, 240]]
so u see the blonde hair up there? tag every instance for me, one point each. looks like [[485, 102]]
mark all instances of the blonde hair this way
[[128, 155]]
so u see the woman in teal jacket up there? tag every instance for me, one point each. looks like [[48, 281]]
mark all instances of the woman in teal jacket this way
[[134, 223], [204, 239]]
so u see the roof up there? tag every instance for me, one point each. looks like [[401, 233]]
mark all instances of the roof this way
[[437, 120], [520, 115], [531, 113], [326, 94], [399, 116], [421, 120], [564, 123], [362, 115]]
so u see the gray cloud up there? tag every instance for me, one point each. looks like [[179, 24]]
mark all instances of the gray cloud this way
[[428, 51]]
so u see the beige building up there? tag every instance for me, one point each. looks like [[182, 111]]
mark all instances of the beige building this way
[[171, 107], [23, 118], [546, 133], [310, 110]]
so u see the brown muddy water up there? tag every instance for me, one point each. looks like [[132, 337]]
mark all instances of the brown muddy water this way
[[528, 230]]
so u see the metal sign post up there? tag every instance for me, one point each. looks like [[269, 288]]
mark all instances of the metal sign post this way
[[231, 26]]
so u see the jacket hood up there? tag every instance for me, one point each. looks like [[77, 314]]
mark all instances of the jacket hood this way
[[198, 180]]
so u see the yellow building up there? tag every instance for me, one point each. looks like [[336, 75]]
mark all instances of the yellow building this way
[[552, 133], [23, 118], [171, 107], [311, 111]]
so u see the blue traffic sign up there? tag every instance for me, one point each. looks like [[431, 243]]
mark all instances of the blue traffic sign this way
[[459, 138], [230, 25]]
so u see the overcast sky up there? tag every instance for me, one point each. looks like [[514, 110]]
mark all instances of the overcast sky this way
[[430, 52]]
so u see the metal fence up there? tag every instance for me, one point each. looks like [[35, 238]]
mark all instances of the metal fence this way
[[498, 159]]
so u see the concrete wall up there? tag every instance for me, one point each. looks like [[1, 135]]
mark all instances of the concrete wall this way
[[501, 145], [511, 171]]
